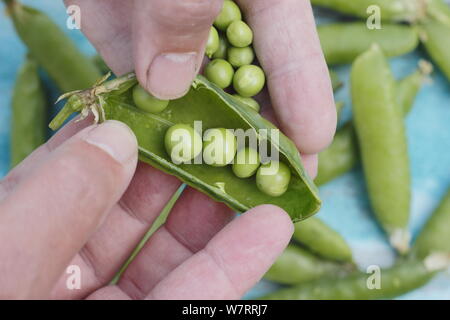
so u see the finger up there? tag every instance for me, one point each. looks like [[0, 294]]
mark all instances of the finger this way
[[233, 261], [310, 161], [194, 220], [107, 25], [126, 224], [169, 39], [297, 75], [41, 154], [52, 213]]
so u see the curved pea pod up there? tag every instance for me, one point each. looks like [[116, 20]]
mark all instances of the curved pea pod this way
[[435, 37], [343, 42], [52, 49], [296, 265], [382, 141], [390, 10], [435, 236], [209, 104], [319, 238], [343, 154], [395, 281], [28, 114]]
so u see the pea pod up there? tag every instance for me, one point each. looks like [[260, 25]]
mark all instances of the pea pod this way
[[216, 109], [29, 113], [343, 42], [439, 11], [296, 265], [52, 49], [390, 10], [322, 240], [382, 141], [395, 281], [342, 155], [435, 37], [435, 237]]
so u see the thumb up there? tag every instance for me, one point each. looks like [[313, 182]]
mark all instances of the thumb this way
[[169, 39]]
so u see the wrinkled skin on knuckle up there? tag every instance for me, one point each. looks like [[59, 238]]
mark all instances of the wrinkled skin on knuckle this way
[[178, 15]]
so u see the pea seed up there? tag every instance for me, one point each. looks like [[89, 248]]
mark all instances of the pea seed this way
[[230, 12], [182, 143], [220, 72], [246, 163], [219, 147], [145, 101], [239, 34], [221, 52], [250, 102], [239, 57], [272, 181], [213, 42], [249, 80]]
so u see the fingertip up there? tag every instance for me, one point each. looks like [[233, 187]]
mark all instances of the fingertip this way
[[311, 162]]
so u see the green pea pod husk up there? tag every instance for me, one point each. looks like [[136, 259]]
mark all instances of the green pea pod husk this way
[[390, 10], [343, 155], [29, 112], [216, 109], [435, 37], [319, 238], [435, 236], [405, 276], [382, 141], [52, 49], [439, 11], [296, 265], [343, 42]]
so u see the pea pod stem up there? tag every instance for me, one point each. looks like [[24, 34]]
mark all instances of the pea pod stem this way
[[403, 277], [343, 155], [29, 111], [155, 226]]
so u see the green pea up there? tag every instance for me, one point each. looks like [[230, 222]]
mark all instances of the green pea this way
[[239, 57], [239, 34], [246, 163], [213, 42], [219, 147], [220, 72], [250, 102], [221, 52], [230, 12], [271, 180], [147, 102], [182, 143], [249, 80]]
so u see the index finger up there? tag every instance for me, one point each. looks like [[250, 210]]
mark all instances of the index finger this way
[[288, 48]]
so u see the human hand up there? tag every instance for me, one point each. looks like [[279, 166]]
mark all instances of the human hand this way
[[163, 41], [82, 200]]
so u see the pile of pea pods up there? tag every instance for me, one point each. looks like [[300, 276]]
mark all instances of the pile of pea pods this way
[[318, 264]]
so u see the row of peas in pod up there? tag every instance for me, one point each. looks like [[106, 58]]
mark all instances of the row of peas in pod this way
[[230, 48]]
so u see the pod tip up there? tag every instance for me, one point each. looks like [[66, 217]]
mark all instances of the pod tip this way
[[400, 239]]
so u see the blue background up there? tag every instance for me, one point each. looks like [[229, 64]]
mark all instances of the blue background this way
[[346, 206]]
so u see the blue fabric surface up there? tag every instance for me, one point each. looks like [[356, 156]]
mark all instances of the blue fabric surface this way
[[346, 206]]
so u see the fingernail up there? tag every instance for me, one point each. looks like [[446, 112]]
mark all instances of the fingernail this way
[[171, 74], [115, 138]]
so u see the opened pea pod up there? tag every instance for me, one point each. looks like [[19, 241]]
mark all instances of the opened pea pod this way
[[207, 105]]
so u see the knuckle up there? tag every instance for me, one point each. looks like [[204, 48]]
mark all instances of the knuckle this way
[[190, 12]]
